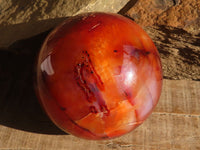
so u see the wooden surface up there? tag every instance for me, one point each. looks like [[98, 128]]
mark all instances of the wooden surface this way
[[175, 124]]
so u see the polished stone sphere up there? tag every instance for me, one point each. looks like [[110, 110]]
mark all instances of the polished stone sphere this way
[[98, 75]]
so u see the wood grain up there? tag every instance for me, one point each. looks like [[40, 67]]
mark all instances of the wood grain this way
[[174, 125], [179, 51]]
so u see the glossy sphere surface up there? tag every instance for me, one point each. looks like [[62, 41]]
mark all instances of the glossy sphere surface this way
[[98, 75]]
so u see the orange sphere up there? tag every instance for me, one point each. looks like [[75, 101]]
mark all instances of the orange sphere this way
[[98, 75]]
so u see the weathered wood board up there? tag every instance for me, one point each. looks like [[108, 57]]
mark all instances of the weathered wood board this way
[[174, 124]]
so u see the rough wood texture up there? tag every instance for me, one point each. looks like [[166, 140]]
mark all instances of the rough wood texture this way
[[174, 125], [179, 51], [175, 121]]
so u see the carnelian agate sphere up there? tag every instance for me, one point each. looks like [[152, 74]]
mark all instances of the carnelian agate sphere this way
[[98, 75]]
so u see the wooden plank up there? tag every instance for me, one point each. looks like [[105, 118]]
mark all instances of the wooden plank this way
[[179, 51], [174, 124]]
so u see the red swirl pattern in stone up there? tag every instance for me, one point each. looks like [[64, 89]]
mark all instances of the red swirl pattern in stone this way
[[98, 75]]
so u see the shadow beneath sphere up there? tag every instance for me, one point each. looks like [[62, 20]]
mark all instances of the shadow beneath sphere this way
[[19, 107]]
